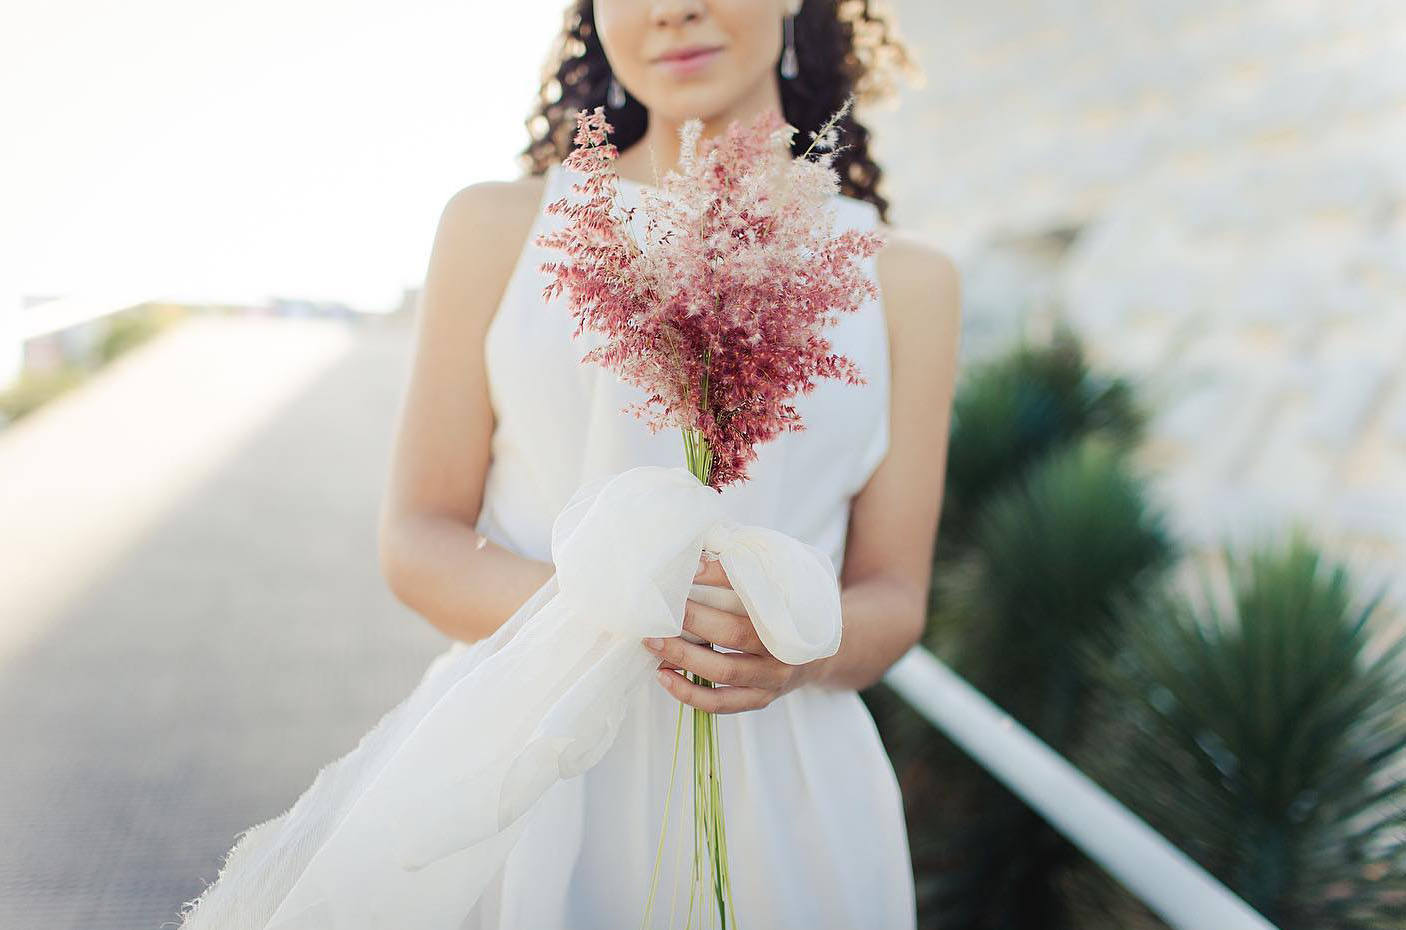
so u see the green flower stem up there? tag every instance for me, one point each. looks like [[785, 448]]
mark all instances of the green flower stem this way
[[709, 835], [668, 800], [725, 888]]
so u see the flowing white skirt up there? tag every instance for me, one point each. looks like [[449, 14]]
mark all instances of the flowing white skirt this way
[[815, 830], [522, 784]]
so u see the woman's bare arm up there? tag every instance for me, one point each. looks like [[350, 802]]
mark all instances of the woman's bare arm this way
[[431, 556], [893, 521]]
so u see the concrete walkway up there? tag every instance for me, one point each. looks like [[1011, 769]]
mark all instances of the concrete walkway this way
[[193, 619]]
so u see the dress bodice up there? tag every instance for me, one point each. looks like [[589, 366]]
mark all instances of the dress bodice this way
[[560, 422]]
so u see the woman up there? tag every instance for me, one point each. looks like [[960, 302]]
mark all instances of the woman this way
[[500, 423]]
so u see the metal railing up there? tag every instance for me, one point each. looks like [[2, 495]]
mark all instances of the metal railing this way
[[19, 325], [1168, 881]]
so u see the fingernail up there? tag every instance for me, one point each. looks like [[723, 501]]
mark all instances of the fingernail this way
[[701, 566], [663, 676], [652, 642]]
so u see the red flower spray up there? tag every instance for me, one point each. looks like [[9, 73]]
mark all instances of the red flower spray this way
[[718, 314]]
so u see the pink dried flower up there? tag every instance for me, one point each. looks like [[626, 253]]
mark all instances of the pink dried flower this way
[[718, 314]]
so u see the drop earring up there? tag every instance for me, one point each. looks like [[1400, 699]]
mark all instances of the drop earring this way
[[615, 96], [790, 67]]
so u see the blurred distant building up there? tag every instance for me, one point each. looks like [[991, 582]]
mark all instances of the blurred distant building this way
[[1214, 194]]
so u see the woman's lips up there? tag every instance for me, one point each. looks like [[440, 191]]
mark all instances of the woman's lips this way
[[690, 65]]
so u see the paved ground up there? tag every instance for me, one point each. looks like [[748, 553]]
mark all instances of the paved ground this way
[[202, 624]]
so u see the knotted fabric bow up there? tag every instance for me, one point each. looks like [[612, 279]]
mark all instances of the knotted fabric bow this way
[[409, 827]]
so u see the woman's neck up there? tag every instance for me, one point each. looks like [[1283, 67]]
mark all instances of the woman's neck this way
[[657, 151]]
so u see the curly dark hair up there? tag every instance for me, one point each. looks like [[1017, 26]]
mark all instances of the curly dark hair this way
[[843, 47]]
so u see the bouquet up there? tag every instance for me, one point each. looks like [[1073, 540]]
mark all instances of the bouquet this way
[[718, 316]]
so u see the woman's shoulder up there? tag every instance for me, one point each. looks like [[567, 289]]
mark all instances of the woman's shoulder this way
[[490, 221], [921, 288], [919, 284], [496, 205]]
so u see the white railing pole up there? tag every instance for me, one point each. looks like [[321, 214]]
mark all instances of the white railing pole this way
[[11, 345], [17, 326], [1168, 881], [54, 315]]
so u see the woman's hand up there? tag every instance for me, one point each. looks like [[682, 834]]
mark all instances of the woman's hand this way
[[751, 678]]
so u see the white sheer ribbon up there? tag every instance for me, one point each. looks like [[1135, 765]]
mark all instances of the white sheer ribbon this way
[[408, 828]]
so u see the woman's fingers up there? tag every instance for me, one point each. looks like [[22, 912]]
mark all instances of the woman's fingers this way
[[724, 700], [750, 677], [727, 668], [735, 631]]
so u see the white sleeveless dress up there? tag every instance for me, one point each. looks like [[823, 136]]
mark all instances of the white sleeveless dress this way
[[815, 830]]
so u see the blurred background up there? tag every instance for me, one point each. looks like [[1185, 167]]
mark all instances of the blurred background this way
[[1174, 530]]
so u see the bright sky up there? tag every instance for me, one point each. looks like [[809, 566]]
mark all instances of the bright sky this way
[[299, 148]]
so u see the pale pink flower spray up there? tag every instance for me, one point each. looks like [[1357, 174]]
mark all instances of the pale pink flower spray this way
[[717, 316]]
